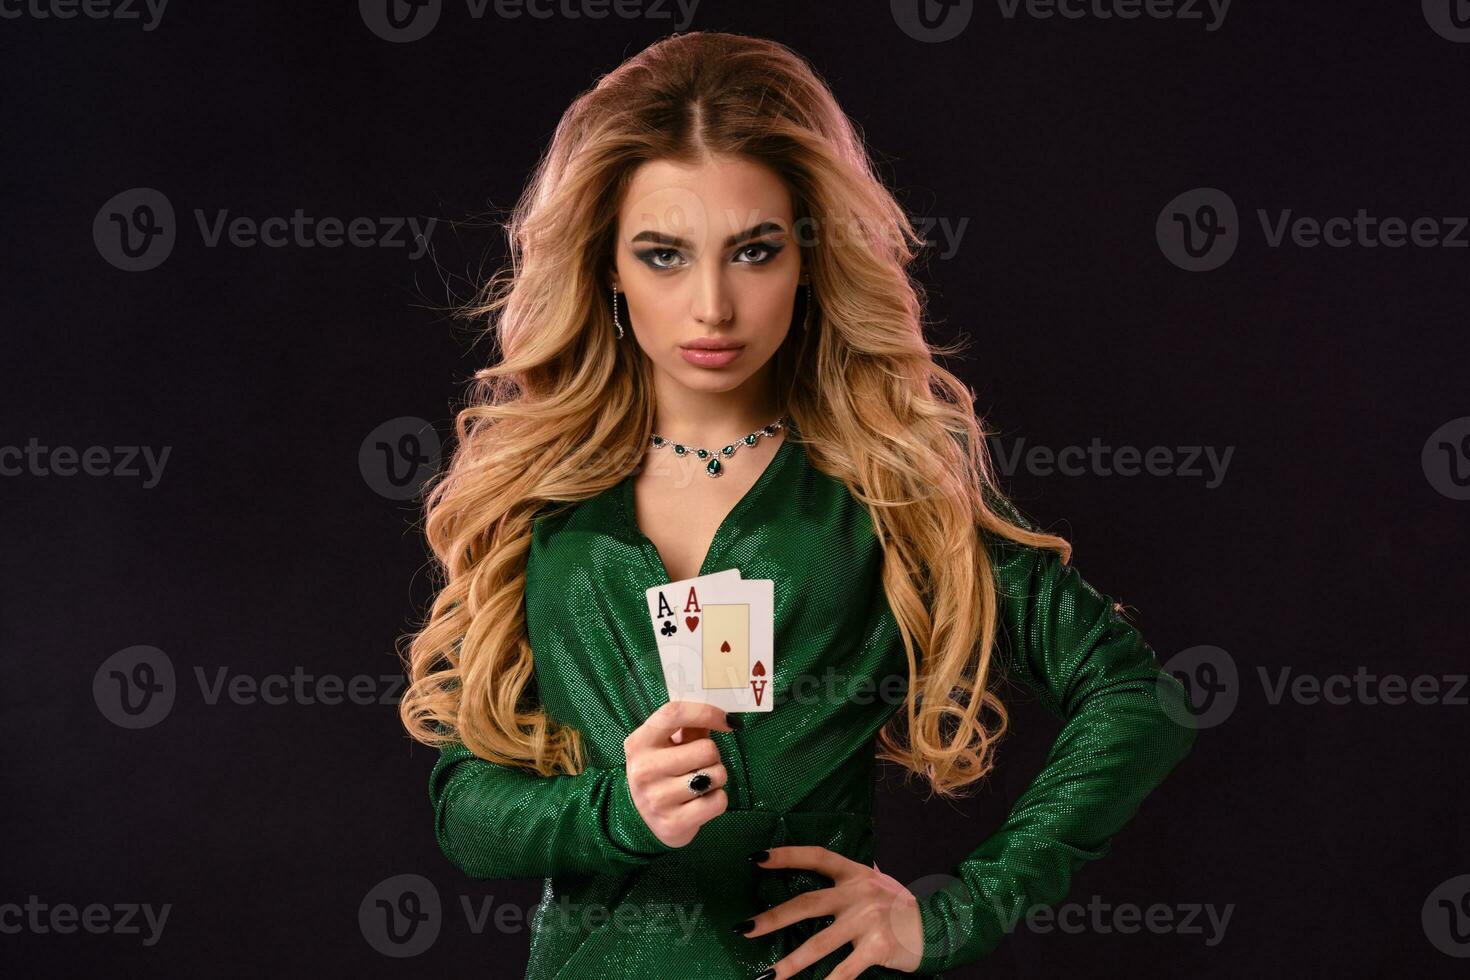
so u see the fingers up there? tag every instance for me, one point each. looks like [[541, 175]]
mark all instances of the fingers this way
[[686, 735], [820, 945], [807, 905], [661, 754], [703, 809], [678, 814], [669, 718], [647, 768], [673, 791], [817, 859], [682, 759]]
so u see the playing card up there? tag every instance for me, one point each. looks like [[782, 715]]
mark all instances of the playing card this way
[[736, 646], [714, 636], [676, 612], [674, 608]]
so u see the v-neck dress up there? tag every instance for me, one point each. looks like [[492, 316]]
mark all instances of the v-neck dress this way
[[618, 902]]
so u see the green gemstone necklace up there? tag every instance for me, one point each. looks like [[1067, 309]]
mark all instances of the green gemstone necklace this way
[[714, 467]]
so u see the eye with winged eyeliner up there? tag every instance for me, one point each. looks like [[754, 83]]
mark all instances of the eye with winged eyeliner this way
[[652, 257], [741, 242]]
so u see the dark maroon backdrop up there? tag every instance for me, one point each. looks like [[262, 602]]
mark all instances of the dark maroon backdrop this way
[[1116, 206]]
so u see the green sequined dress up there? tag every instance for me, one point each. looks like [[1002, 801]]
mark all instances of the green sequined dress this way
[[617, 902]]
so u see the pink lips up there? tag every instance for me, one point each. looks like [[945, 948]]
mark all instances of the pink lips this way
[[710, 357]]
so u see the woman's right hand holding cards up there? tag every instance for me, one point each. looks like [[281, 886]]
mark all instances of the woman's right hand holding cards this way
[[674, 771]]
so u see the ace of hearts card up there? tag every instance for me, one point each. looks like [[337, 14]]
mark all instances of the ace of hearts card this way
[[715, 639]]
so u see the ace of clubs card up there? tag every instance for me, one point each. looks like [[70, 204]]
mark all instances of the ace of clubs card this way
[[715, 639]]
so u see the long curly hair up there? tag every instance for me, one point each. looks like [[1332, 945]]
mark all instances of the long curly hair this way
[[566, 411]]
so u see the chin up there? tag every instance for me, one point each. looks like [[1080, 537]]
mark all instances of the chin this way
[[703, 379]]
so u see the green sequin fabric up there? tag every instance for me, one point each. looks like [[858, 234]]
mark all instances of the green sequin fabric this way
[[617, 902]]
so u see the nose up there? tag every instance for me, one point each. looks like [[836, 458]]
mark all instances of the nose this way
[[710, 305]]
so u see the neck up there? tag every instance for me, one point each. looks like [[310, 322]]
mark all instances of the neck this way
[[713, 418]]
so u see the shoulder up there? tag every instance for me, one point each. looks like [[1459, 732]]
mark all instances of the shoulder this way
[[1017, 566]]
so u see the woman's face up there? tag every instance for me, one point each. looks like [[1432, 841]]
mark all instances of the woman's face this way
[[707, 255]]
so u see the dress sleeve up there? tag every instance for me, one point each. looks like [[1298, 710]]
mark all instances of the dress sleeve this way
[[500, 821], [1125, 724]]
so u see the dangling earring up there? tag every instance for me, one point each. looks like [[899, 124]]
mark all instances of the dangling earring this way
[[807, 317], [615, 313]]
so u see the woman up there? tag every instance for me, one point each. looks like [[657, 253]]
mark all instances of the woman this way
[[706, 260]]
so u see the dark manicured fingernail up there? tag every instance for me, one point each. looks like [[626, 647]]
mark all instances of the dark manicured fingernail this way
[[767, 975], [759, 856], [744, 926], [733, 720]]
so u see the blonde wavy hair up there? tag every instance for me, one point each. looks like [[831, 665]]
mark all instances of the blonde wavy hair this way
[[873, 406]]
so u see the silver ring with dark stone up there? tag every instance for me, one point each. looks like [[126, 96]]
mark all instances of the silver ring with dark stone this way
[[700, 782]]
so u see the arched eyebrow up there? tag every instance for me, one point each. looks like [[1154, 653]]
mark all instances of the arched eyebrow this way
[[674, 241]]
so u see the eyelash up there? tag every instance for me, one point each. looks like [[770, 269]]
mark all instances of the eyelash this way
[[771, 252]]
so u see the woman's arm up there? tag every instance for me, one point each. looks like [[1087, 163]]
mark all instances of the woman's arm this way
[[498, 821], [1092, 669]]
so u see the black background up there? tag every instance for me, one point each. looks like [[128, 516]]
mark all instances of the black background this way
[[263, 549]]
